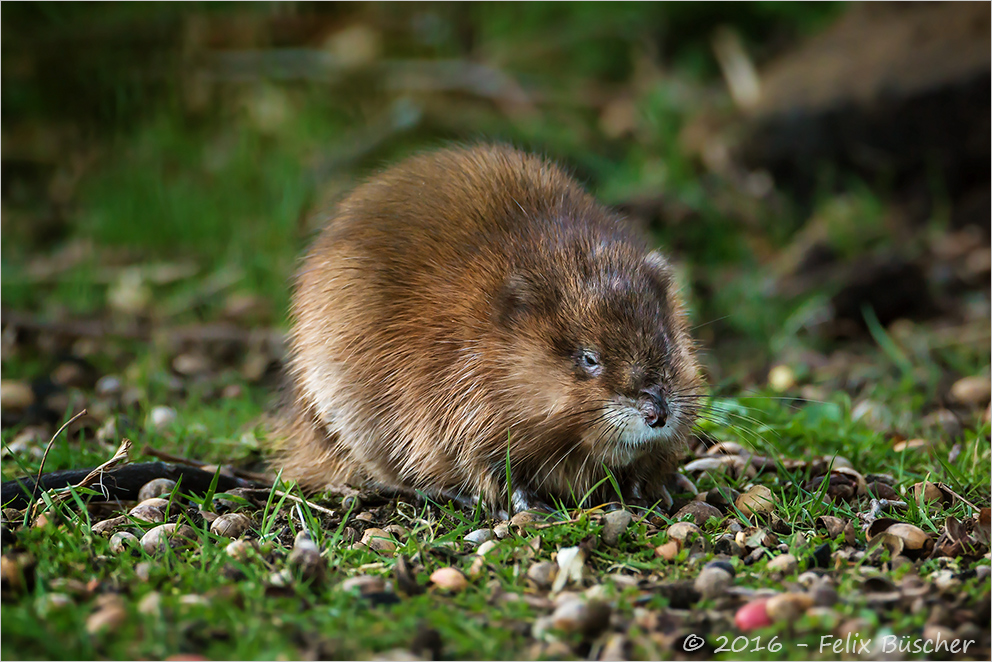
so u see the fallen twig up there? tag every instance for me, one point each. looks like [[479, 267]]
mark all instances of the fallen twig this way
[[44, 458], [120, 457]]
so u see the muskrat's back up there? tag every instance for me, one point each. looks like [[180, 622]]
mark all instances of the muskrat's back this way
[[471, 300]]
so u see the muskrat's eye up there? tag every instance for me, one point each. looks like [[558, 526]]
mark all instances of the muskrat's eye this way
[[588, 360]]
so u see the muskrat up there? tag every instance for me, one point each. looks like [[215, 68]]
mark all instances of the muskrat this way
[[473, 309]]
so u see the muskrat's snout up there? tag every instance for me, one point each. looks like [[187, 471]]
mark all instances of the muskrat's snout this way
[[653, 407]]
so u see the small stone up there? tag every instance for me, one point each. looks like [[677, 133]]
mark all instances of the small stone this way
[[699, 511], [543, 574], [51, 602], [683, 532], [478, 565], [162, 417], [157, 539], [486, 547], [784, 564], [68, 374], [309, 562], [945, 580], [364, 584], [109, 385], [110, 614], [449, 579], [972, 391], [668, 551], [160, 487], [106, 527], [724, 565], [378, 540], [480, 536], [913, 541], [614, 524], [191, 364], [758, 500], [15, 395], [788, 606], [713, 582], [615, 649], [753, 615], [523, 519], [147, 512], [587, 617], [502, 530], [240, 549], [824, 595], [230, 525], [123, 541]]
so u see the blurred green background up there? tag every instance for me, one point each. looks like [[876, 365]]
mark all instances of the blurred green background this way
[[168, 162]]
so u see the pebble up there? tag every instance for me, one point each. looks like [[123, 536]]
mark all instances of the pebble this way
[[915, 540], [486, 547], [107, 526], [110, 614], [162, 417], [615, 649], [668, 551], [784, 564], [524, 518], [753, 615], [972, 391], [308, 561], [713, 582], [123, 541], [49, 602], [364, 584], [614, 524], [160, 487], [700, 511], [824, 595], [756, 501], [15, 395], [576, 615], [728, 546], [109, 385], [191, 364], [683, 531], [378, 540], [502, 530], [230, 525], [449, 579], [788, 606], [480, 536], [148, 512], [156, 539], [543, 574], [240, 549]]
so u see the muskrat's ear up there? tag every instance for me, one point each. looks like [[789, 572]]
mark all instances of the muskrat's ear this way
[[515, 298], [661, 271]]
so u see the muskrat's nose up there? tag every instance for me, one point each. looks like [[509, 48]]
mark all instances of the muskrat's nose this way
[[652, 407]]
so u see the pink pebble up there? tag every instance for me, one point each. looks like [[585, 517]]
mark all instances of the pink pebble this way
[[752, 616]]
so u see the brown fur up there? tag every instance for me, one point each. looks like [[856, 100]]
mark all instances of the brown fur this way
[[438, 317]]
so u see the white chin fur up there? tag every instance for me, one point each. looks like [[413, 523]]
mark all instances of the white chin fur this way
[[632, 436]]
